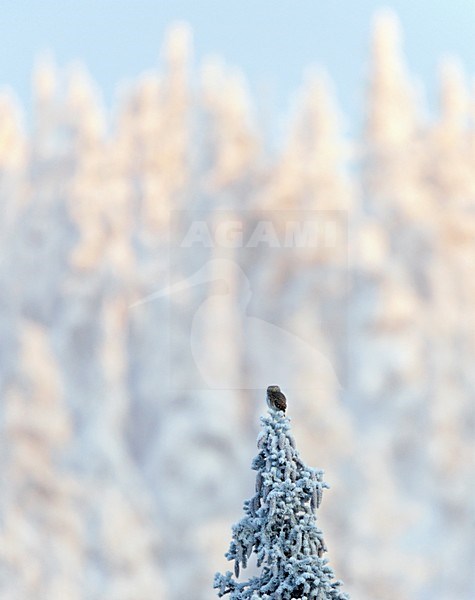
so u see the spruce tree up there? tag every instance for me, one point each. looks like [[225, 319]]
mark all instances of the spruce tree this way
[[280, 527]]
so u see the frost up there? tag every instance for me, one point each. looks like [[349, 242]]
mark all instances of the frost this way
[[280, 527]]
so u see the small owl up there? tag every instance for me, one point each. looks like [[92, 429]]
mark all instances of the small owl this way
[[275, 398]]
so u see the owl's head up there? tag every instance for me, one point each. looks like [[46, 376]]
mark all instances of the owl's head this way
[[273, 388]]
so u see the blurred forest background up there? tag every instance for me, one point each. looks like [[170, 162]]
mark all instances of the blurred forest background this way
[[116, 486]]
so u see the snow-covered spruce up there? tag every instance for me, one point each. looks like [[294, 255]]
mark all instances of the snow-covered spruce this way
[[280, 526]]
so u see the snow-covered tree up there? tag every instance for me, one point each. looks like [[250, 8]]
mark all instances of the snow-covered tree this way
[[280, 527], [231, 147], [42, 533], [13, 161]]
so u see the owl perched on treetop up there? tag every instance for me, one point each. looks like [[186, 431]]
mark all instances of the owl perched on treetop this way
[[275, 398]]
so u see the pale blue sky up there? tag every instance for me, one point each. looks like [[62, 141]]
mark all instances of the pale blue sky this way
[[271, 41]]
